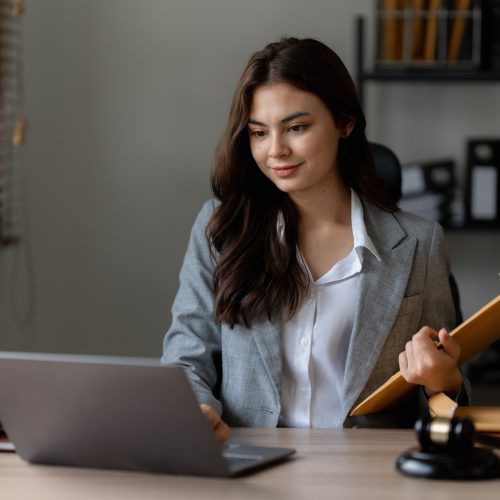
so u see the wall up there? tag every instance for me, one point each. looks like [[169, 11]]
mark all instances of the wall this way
[[125, 102]]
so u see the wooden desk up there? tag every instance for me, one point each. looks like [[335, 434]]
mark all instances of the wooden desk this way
[[341, 464]]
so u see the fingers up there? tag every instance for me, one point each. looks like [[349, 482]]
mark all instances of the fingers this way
[[420, 357], [450, 345], [417, 355], [221, 431], [403, 362], [424, 343], [423, 364], [210, 414], [219, 427]]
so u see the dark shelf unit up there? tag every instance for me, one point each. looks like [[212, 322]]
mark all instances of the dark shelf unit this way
[[415, 75], [411, 74]]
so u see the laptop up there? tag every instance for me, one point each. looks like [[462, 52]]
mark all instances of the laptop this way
[[115, 413]]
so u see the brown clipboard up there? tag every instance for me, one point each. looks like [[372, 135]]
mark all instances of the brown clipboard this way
[[473, 335]]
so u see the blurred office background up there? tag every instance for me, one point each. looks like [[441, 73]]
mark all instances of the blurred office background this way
[[125, 101]]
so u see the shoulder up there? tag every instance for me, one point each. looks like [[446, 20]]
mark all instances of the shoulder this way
[[208, 208], [411, 224], [198, 243], [205, 214], [416, 224]]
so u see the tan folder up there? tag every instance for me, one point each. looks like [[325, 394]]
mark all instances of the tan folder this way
[[485, 418], [473, 335]]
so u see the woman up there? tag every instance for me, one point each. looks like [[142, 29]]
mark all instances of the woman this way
[[303, 285]]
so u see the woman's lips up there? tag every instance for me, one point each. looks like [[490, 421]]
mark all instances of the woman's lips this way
[[286, 171]]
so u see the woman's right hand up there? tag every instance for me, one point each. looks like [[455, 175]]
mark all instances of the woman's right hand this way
[[435, 369], [219, 427]]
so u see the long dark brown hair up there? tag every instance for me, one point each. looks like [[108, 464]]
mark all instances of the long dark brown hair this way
[[257, 274]]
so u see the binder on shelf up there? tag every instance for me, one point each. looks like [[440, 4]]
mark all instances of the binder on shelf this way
[[391, 30], [473, 335], [483, 183], [461, 17], [431, 31], [435, 34], [417, 30]]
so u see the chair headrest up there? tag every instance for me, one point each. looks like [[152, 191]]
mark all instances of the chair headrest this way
[[388, 169]]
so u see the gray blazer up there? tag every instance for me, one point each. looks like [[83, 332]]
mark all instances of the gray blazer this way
[[238, 371]]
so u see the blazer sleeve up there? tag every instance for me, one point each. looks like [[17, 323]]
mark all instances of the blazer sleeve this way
[[193, 339], [438, 309]]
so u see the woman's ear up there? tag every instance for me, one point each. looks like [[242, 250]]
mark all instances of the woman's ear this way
[[347, 127]]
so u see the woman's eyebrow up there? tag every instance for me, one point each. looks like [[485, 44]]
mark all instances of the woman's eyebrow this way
[[288, 118]]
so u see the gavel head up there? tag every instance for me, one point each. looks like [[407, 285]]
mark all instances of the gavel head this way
[[452, 436]]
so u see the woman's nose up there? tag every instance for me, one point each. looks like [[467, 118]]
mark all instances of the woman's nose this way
[[278, 147]]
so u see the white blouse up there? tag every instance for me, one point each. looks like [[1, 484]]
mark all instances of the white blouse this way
[[315, 341]]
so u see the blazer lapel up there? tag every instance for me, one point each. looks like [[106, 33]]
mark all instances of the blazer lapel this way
[[381, 287], [267, 338]]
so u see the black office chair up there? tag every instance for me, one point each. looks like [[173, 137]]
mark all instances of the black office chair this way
[[388, 169]]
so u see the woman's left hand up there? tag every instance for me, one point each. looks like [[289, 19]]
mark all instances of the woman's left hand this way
[[436, 369], [219, 427]]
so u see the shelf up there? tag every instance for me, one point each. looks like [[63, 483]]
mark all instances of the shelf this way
[[402, 72], [431, 75], [412, 74], [473, 228]]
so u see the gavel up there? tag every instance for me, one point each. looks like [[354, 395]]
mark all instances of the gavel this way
[[453, 436], [448, 451]]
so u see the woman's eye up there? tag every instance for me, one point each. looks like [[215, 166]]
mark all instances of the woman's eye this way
[[297, 128], [257, 133]]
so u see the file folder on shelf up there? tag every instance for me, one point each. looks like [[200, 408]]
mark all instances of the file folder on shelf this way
[[474, 334]]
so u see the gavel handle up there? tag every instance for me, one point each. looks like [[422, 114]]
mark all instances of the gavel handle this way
[[490, 440]]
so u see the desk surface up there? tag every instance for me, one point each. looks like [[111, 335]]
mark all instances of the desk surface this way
[[333, 463]]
